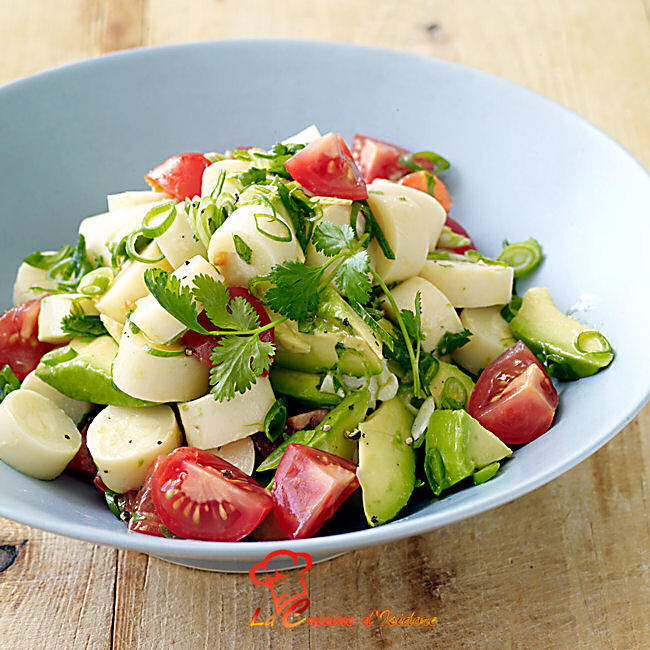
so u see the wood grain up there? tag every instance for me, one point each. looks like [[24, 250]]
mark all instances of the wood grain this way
[[564, 566]]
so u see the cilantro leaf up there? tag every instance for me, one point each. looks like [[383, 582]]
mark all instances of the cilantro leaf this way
[[353, 279], [237, 362], [451, 341], [243, 314], [252, 176], [82, 325], [295, 293], [368, 319], [8, 381], [332, 239], [174, 298], [509, 311]]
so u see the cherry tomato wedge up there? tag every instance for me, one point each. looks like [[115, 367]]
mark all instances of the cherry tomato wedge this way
[[19, 344], [83, 464], [201, 496], [377, 159], [144, 516], [514, 397], [326, 167], [422, 181], [458, 229], [202, 344], [179, 176], [309, 487]]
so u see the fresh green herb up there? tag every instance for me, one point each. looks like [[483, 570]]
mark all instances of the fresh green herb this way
[[366, 314], [96, 282], [275, 420], [237, 361], [509, 311], [451, 341], [352, 277], [244, 251], [168, 533], [471, 256], [332, 239], [77, 323], [410, 161], [115, 503], [273, 160], [252, 176], [240, 356], [46, 261], [8, 381], [523, 256], [295, 290], [135, 253]]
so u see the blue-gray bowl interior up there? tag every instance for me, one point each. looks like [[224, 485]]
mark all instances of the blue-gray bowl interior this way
[[522, 166]]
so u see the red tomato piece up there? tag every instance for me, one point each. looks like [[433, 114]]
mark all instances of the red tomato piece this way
[[309, 487], [326, 167], [420, 181], [376, 158], [19, 344], [83, 463], [458, 229], [179, 176], [144, 516], [201, 496], [202, 344], [379, 159], [514, 397]]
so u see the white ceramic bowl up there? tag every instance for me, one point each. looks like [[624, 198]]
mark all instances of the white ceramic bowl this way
[[522, 166]]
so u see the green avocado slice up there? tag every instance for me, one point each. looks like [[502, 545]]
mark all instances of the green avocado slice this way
[[456, 446], [386, 462], [302, 386], [569, 349], [82, 370]]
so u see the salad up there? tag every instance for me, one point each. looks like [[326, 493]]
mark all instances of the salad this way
[[236, 351]]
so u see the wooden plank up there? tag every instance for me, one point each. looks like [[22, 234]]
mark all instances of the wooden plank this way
[[58, 593]]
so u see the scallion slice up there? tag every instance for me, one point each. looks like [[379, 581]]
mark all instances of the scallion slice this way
[[522, 256]]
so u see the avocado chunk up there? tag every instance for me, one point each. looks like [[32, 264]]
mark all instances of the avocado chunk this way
[[301, 386], [330, 434], [568, 348], [456, 446], [386, 463], [448, 383], [336, 337], [82, 370]]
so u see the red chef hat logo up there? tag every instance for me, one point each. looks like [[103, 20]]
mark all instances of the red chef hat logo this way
[[288, 606]]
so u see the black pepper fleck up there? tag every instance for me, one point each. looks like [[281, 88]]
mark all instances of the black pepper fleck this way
[[351, 407], [374, 520], [67, 437], [160, 442], [346, 322], [227, 473]]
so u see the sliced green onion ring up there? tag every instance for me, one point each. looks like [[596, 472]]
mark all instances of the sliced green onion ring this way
[[273, 218], [450, 239], [585, 340], [164, 354], [454, 394], [409, 161], [132, 251], [522, 256], [96, 282], [151, 231]]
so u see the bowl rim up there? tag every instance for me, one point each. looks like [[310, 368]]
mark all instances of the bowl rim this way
[[332, 544]]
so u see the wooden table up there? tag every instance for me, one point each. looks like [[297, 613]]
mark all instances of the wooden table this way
[[565, 566]]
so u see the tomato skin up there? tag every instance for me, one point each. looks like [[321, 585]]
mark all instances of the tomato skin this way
[[83, 464], [420, 181], [202, 344], [179, 176], [457, 228], [309, 487], [376, 158], [326, 167], [514, 397], [201, 496], [19, 344], [144, 516]]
